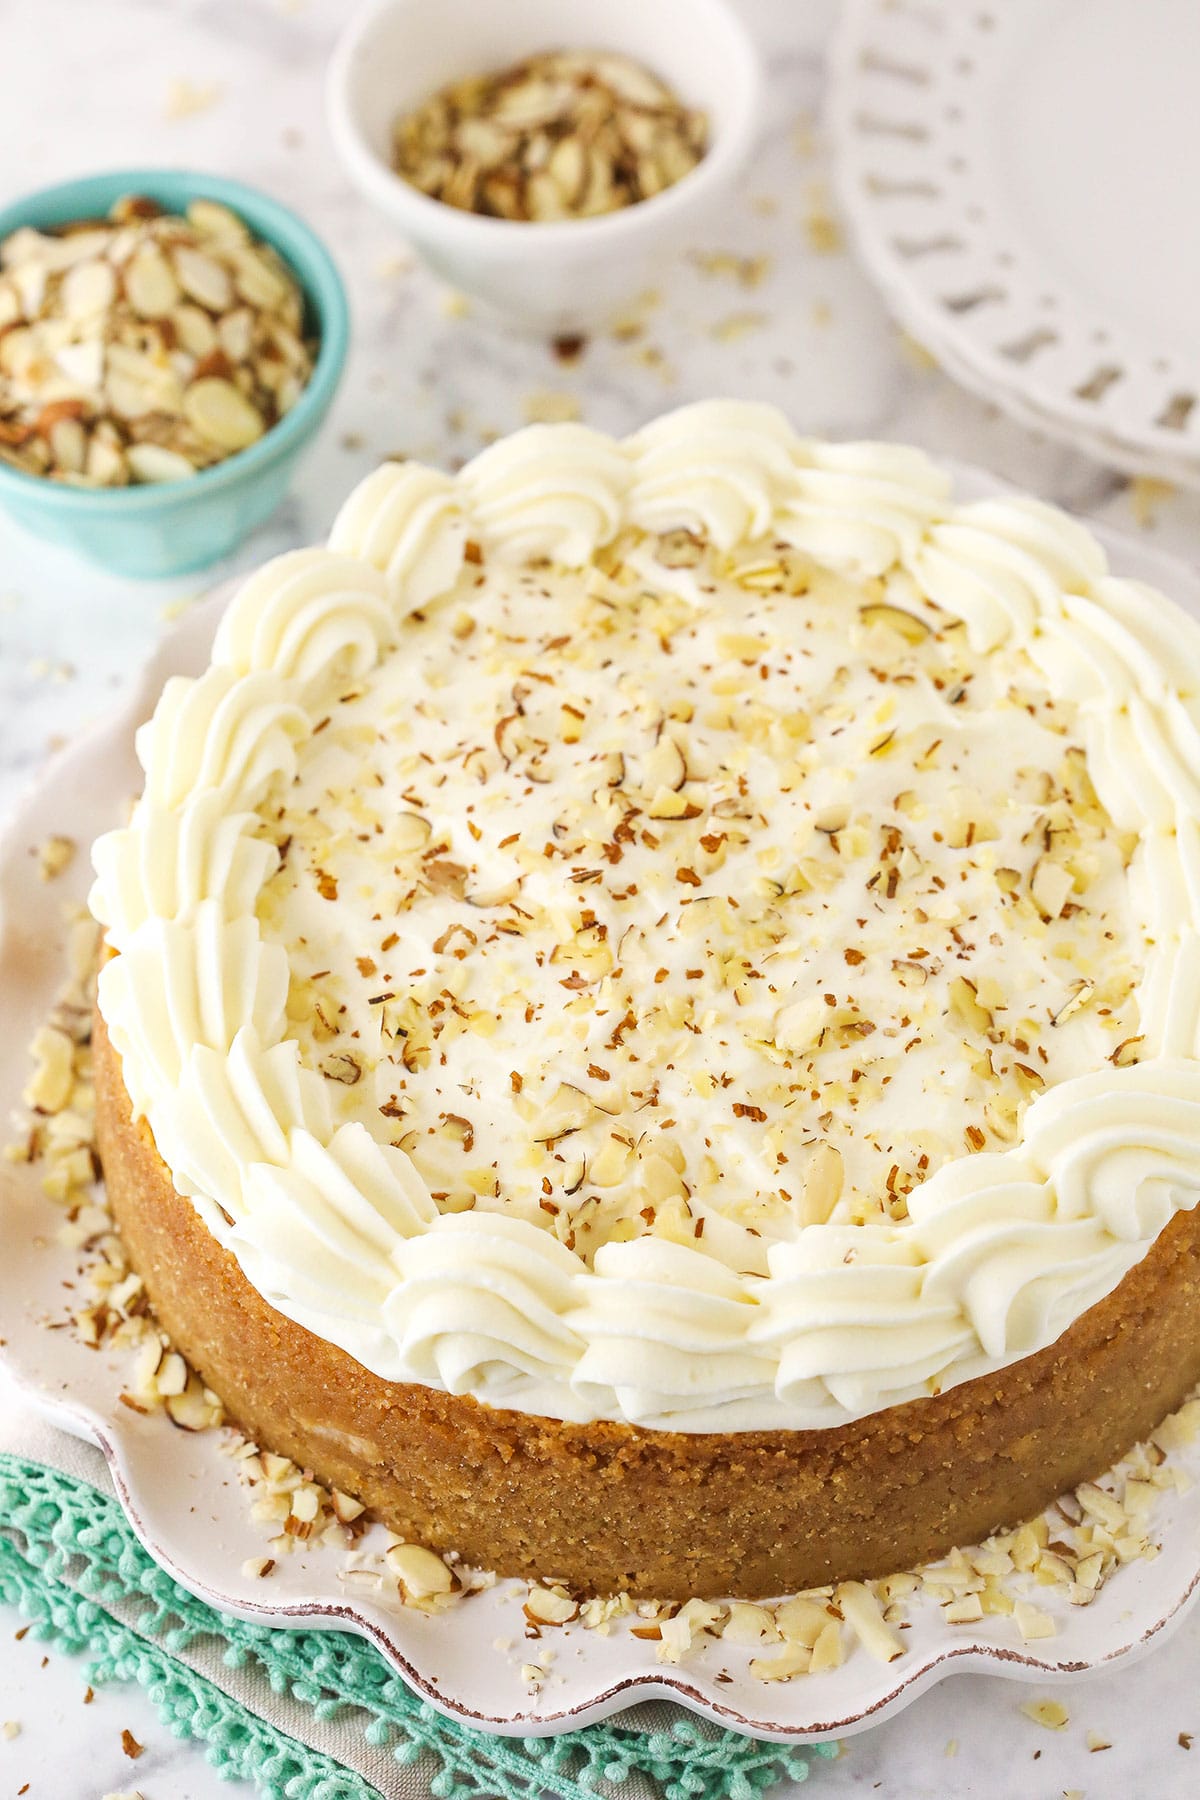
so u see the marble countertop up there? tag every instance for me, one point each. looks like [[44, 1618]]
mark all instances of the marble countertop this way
[[769, 305]]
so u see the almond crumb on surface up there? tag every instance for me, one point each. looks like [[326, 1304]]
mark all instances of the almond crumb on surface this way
[[12, 1728], [184, 98], [551, 406], [1032, 1623], [916, 354], [1095, 1741], [1051, 1714], [130, 1745], [55, 855], [170, 610], [747, 271], [821, 227], [735, 326], [1146, 495]]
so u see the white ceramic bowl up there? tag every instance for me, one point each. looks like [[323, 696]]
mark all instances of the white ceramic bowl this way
[[571, 273]]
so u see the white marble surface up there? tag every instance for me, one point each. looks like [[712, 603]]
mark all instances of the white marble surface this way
[[86, 86]]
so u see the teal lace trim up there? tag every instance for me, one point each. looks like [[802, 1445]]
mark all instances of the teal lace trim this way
[[67, 1555]]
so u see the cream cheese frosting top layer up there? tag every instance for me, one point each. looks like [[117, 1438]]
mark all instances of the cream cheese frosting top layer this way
[[699, 931]]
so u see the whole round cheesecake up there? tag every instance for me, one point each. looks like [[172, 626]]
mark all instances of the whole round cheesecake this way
[[652, 1030]]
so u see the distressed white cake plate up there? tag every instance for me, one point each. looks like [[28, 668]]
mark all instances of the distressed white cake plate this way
[[181, 1492], [1018, 178]]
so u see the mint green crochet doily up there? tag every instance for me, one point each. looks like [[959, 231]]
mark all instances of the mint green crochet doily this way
[[70, 1562]]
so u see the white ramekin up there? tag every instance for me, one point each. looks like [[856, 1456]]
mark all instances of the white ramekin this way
[[571, 273]]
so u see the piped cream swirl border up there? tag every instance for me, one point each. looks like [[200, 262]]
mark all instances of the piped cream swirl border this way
[[335, 1228]]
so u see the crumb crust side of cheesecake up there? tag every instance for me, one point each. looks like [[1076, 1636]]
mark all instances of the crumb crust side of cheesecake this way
[[608, 1506]]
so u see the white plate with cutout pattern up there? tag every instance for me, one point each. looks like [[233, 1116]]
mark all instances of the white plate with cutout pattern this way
[[1019, 178], [180, 1491]]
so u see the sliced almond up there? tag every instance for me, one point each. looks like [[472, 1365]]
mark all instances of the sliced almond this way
[[862, 1612], [408, 831], [421, 1572], [213, 220], [150, 284], [203, 279], [550, 1606], [68, 444], [18, 351], [105, 465], [610, 1163], [257, 282], [965, 1004], [10, 305], [1050, 887], [567, 1110], [194, 330], [905, 624], [568, 167], [235, 333], [88, 289], [151, 462], [630, 81], [346, 1508], [665, 766], [824, 1179], [216, 410], [49, 1088]]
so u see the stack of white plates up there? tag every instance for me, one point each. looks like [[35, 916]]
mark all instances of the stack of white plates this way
[[1021, 177]]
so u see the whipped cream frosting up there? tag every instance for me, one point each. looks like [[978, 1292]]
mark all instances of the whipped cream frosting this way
[[699, 931]]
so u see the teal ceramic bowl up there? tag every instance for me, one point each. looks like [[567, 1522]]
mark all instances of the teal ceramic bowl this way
[[169, 527]]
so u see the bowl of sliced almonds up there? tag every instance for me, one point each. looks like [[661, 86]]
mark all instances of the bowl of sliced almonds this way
[[170, 343], [545, 157]]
